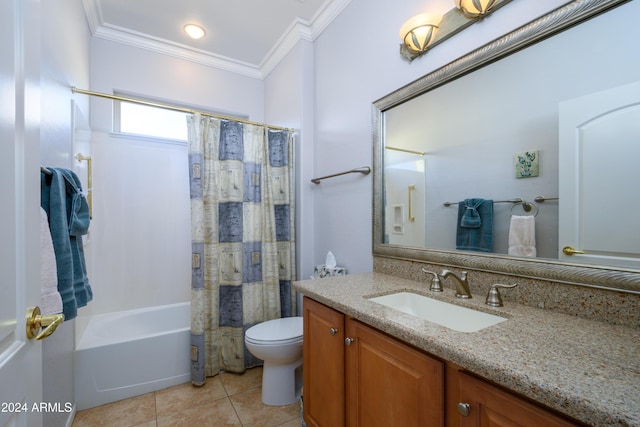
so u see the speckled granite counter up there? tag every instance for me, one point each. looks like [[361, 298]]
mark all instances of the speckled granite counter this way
[[586, 369]]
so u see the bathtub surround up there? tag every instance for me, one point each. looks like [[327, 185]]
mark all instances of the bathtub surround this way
[[129, 353], [242, 227], [68, 211]]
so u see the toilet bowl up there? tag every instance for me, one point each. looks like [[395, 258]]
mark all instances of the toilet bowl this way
[[278, 343]]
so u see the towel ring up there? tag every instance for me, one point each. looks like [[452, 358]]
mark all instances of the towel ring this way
[[526, 207]]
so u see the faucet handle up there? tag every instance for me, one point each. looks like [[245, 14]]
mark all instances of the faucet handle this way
[[436, 286], [493, 297]]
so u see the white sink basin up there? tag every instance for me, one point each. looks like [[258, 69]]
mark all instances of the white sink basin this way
[[444, 314]]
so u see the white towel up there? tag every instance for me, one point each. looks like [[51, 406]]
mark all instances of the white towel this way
[[50, 300], [522, 236]]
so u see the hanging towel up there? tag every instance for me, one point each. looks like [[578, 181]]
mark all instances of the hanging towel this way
[[68, 211], [522, 236], [50, 300], [475, 225]]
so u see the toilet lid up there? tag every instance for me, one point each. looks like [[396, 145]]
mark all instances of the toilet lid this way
[[285, 329]]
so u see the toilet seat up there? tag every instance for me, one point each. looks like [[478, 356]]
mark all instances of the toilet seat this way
[[277, 331]]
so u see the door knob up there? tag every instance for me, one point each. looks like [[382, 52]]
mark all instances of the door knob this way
[[568, 250], [35, 321]]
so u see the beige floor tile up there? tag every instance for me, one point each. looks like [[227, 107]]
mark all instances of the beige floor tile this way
[[184, 396], [219, 413], [293, 423], [125, 413], [234, 383], [254, 413]]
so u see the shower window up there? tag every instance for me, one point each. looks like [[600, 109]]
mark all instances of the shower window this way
[[145, 120]]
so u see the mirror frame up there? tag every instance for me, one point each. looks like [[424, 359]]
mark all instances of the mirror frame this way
[[625, 280]]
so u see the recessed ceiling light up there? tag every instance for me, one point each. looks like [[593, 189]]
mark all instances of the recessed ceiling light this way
[[194, 31]]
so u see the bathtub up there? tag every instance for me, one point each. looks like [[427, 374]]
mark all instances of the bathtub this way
[[129, 353]]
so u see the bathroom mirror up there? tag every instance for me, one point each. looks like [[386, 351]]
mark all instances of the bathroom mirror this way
[[490, 106]]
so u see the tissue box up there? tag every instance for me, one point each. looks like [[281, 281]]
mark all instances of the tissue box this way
[[320, 271]]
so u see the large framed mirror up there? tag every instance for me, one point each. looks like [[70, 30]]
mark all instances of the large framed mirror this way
[[512, 124]]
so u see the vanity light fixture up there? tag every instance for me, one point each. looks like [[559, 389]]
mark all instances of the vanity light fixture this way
[[475, 9], [194, 31], [417, 33]]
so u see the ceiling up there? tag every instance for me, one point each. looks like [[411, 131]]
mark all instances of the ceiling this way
[[244, 36]]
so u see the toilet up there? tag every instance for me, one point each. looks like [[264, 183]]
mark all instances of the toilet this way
[[278, 343]]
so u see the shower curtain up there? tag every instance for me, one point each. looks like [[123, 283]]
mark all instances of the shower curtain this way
[[242, 228]]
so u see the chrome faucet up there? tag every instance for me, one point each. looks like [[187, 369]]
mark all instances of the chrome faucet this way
[[462, 285], [436, 286]]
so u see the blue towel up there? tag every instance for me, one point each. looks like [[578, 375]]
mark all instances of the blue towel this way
[[475, 225], [68, 212]]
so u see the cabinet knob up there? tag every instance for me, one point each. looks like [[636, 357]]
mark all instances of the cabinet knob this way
[[464, 409], [348, 341], [333, 331]]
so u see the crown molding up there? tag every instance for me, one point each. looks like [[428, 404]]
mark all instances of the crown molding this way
[[176, 50], [299, 29]]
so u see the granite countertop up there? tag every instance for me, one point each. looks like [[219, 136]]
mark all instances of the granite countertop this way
[[586, 369]]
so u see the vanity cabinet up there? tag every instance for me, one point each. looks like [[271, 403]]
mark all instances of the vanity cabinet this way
[[323, 366], [481, 404], [355, 375]]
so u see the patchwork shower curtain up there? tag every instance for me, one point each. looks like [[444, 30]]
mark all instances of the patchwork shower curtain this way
[[242, 227]]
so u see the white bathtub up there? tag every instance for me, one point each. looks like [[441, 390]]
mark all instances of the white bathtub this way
[[128, 353]]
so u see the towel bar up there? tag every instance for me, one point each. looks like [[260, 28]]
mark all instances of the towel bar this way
[[81, 157], [515, 201], [365, 170]]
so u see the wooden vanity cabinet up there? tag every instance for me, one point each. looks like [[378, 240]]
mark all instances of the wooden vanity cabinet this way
[[323, 366], [355, 375], [390, 383], [492, 406]]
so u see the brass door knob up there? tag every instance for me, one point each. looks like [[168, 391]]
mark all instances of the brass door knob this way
[[568, 250], [35, 321]]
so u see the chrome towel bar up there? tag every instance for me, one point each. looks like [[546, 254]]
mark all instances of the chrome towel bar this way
[[365, 170]]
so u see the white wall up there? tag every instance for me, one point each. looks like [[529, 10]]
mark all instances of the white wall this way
[[289, 102], [357, 61], [64, 62]]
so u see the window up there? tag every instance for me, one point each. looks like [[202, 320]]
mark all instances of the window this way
[[139, 119]]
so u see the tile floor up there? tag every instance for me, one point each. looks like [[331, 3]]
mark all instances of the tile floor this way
[[226, 400]]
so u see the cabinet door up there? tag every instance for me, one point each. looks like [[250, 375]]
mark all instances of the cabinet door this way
[[323, 354], [390, 383], [490, 406]]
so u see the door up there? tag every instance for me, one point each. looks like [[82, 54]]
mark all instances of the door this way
[[390, 383], [599, 146], [20, 357], [483, 405], [323, 354]]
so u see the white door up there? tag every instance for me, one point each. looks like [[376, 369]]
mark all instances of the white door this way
[[20, 357], [599, 200]]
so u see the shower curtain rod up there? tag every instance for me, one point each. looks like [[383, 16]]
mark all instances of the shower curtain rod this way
[[172, 107]]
